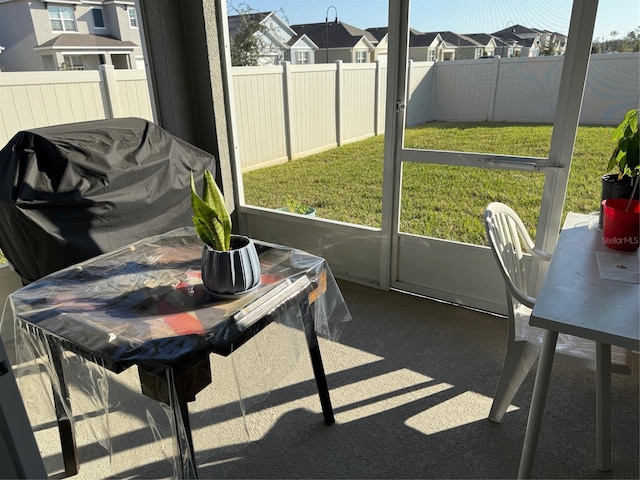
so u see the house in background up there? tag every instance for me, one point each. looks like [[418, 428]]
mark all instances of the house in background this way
[[276, 40], [381, 48], [339, 41], [486, 41], [517, 41], [457, 47], [553, 42], [424, 47], [65, 35], [302, 50]]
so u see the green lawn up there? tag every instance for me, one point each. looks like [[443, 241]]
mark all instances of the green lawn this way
[[447, 202]]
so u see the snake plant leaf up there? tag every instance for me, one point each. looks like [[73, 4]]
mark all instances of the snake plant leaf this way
[[210, 216]]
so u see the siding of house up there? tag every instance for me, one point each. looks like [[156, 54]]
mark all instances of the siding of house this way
[[381, 50], [419, 54], [343, 54], [466, 53], [361, 46], [18, 36], [291, 55], [29, 23]]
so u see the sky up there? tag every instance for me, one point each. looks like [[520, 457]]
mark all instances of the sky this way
[[460, 16]]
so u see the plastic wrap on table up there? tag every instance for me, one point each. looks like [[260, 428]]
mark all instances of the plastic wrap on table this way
[[144, 304]]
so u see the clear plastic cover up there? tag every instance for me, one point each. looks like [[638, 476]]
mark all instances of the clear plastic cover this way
[[145, 305]]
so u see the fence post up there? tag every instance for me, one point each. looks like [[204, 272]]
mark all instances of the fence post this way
[[492, 100], [407, 119], [339, 102], [287, 108], [108, 74], [376, 100]]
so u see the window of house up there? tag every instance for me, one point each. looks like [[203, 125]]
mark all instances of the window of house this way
[[62, 18], [431, 55], [133, 17], [73, 62], [302, 57], [361, 57], [98, 19]]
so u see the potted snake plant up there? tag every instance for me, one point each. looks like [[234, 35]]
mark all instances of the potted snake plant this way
[[230, 264], [624, 166]]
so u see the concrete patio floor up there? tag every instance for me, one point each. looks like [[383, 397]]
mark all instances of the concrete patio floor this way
[[411, 383]]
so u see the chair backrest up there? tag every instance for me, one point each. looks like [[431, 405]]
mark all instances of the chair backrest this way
[[509, 241]]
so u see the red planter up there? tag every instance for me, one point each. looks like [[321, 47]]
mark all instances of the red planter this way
[[614, 188], [621, 230]]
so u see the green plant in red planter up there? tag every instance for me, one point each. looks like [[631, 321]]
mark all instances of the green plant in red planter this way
[[624, 162], [230, 264]]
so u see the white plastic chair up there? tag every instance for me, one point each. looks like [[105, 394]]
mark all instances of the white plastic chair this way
[[510, 242]]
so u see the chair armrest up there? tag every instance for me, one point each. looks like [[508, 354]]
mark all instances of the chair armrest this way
[[541, 254]]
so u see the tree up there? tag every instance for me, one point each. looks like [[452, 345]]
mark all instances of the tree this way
[[246, 41], [627, 43], [549, 50]]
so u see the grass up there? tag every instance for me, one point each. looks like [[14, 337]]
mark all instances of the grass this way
[[446, 202]]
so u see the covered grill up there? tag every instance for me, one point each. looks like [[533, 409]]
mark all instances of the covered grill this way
[[74, 191]]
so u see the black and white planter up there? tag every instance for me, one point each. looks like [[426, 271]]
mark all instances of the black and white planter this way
[[614, 188], [232, 272]]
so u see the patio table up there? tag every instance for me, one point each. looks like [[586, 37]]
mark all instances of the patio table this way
[[590, 291], [145, 305]]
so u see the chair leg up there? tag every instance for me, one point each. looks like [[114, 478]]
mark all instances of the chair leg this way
[[520, 358]]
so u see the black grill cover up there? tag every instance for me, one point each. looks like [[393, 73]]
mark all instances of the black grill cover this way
[[71, 192]]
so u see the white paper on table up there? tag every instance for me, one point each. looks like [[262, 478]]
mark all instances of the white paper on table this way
[[619, 266]]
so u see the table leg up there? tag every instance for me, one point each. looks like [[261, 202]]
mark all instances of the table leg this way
[[65, 427], [536, 409], [316, 362], [603, 405], [186, 453], [176, 386]]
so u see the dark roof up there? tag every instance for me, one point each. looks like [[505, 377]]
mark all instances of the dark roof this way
[[481, 38], [86, 40], [235, 21], [378, 32], [517, 29], [292, 41], [420, 39], [340, 34], [457, 39]]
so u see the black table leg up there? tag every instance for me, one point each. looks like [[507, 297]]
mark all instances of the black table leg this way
[[65, 428], [176, 386], [187, 453], [316, 362]]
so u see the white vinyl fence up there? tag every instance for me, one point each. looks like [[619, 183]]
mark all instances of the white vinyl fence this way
[[290, 111], [39, 99]]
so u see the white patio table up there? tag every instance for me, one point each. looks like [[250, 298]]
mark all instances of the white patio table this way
[[590, 291]]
